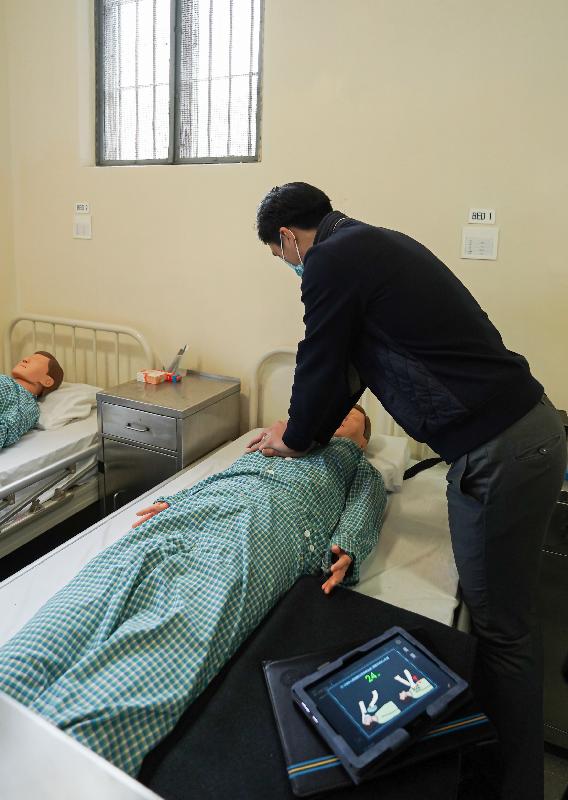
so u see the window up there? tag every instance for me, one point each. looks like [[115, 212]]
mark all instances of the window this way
[[177, 81]]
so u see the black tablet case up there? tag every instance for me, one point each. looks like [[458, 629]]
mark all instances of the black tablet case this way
[[312, 767]]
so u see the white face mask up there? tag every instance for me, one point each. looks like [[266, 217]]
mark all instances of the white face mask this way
[[298, 268]]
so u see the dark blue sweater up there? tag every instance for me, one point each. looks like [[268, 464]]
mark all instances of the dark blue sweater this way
[[382, 311]]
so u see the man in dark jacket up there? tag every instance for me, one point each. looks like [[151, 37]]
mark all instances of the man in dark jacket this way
[[381, 311]]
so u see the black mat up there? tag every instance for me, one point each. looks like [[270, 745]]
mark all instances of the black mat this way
[[226, 744]]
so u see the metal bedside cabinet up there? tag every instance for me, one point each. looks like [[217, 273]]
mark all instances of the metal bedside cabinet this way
[[148, 433]]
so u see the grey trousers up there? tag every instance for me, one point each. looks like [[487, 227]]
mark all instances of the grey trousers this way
[[500, 499]]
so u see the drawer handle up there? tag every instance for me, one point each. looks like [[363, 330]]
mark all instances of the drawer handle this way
[[134, 428]]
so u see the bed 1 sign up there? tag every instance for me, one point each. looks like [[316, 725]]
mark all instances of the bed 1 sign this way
[[484, 216]]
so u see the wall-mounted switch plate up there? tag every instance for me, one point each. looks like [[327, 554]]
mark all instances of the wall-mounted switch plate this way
[[82, 226]]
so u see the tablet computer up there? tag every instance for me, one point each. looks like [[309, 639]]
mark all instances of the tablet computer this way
[[377, 699]]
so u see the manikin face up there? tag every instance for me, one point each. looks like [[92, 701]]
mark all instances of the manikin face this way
[[33, 370], [353, 427]]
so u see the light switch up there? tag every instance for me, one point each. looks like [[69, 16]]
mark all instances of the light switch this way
[[480, 243]]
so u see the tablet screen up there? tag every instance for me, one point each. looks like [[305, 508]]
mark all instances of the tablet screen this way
[[382, 690]]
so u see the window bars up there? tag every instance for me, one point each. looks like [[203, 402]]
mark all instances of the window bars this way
[[178, 81]]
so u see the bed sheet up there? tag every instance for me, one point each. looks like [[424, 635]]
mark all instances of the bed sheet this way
[[38, 449], [413, 565], [394, 572]]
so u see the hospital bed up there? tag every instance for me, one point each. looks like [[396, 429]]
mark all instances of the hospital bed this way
[[49, 475], [412, 566]]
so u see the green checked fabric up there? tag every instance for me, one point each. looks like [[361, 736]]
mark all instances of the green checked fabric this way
[[116, 656], [19, 411]]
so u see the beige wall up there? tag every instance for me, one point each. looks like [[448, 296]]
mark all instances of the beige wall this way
[[7, 277], [407, 113]]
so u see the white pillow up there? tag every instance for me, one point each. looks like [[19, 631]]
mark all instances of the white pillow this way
[[70, 402], [390, 455]]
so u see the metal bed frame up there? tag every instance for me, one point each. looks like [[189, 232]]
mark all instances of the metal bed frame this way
[[284, 357], [103, 348]]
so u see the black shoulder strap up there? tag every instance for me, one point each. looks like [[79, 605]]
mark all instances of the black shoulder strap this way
[[420, 467]]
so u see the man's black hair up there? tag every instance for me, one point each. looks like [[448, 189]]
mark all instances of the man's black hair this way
[[297, 204]]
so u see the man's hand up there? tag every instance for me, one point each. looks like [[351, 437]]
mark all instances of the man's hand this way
[[270, 443], [338, 569], [148, 513]]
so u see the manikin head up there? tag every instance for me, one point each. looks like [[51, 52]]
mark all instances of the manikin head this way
[[39, 373], [287, 220], [356, 426]]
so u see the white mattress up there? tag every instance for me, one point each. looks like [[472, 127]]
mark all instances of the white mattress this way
[[38, 449], [412, 565]]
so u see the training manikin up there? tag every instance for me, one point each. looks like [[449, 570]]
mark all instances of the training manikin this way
[[32, 377]]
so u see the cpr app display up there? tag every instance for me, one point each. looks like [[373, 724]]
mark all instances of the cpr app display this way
[[379, 692]]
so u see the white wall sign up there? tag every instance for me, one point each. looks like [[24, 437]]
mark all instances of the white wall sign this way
[[480, 243], [481, 216]]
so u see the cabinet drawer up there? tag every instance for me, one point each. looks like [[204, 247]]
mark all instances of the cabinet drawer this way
[[139, 426]]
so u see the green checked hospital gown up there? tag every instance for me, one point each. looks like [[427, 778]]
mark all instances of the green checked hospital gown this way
[[116, 656], [19, 411]]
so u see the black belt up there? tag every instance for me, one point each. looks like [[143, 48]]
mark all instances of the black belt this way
[[420, 467]]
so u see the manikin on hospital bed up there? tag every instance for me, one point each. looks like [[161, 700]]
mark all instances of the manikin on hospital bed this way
[[412, 566], [49, 475]]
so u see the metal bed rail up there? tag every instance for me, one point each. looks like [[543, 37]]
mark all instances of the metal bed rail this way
[[46, 472], [71, 327], [98, 353], [60, 495]]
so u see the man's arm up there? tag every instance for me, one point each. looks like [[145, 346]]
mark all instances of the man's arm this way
[[354, 388], [333, 311], [358, 528]]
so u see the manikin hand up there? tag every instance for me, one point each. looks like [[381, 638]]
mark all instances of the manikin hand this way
[[270, 443], [148, 513], [338, 569]]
